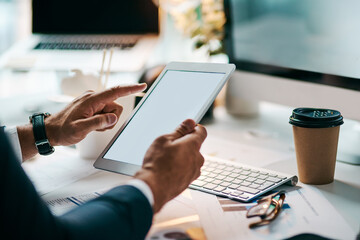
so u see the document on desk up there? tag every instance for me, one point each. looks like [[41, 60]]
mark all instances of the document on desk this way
[[58, 170], [308, 211], [59, 206], [179, 219]]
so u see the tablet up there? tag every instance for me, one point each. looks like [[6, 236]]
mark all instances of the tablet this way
[[182, 91]]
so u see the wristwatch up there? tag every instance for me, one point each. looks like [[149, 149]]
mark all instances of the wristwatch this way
[[41, 141]]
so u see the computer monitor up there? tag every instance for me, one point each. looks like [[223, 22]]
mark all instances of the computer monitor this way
[[299, 53]]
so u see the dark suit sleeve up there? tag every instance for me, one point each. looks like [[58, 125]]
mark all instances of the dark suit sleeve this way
[[122, 213]]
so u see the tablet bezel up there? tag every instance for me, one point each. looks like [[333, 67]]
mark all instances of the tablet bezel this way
[[131, 169]]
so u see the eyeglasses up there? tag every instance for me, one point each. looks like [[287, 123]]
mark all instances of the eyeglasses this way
[[267, 208]]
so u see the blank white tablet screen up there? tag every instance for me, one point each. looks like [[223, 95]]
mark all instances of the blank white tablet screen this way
[[178, 95]]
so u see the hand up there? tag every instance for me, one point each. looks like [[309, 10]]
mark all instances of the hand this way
[[173, 161], [89, 112]]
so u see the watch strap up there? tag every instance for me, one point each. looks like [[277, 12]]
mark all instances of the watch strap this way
[[41, 141]]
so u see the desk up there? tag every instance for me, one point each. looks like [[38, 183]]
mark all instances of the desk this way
[[269, 130]]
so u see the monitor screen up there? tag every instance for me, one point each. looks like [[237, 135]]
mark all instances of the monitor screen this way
[[315, 41], [95, 16]]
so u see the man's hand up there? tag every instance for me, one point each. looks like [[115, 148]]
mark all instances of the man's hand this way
[[89, 112], [173, 161]]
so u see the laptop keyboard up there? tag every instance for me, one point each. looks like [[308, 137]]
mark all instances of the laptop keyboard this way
[[238, 181], [86, 43]]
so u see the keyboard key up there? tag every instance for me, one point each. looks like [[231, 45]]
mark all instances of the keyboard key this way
[[282, 177], [204, 173], [244, 196], [245, 173], [209, 169], [265, 186], [242, 177], [245, 183], [264, 173], [207, 163], [221, 167], [272, 175], [225, 173], [214, 165], [229, 179], [234, 175], [236, 193], [210, 186], [219, 189], [253, 174], [201, 177], [246, 169], [254, 185], [226, 191], [237, 181], [217, 171], [220, 177], [212, 175], [273, 179], [255, 171], [259, 181], [229, 169], [237, 170], [250, 179], [262, 177], [234, 186], [225, 184], [198, 183], [207, 179], [249, 190], [216, 181]]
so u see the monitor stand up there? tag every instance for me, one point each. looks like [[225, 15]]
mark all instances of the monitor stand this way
[[348, 158], [349, 142]]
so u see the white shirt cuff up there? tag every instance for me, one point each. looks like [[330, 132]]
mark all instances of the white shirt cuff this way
[[13, 137], [144, 188]]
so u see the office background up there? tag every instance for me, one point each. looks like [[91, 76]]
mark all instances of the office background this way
[[15, 25]]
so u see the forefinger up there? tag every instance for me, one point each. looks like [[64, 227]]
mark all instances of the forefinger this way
[[114, 93]]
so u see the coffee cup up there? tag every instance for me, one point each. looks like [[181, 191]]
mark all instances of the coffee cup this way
[[316, 134], [95, 142]]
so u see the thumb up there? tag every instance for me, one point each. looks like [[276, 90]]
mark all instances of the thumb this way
[[98, 122], [185, 127]]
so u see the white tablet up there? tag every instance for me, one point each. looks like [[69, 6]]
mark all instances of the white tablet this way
[[182, 91]]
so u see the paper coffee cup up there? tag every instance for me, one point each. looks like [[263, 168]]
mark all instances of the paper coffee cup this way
[[316, 134], [95, 142]]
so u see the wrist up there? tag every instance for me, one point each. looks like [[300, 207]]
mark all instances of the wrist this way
[[160, 197], [52, 132]]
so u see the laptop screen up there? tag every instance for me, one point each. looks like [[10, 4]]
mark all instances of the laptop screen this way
[[95, 16]]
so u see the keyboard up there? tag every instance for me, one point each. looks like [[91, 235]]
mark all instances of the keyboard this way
[[238, 181], [86, 43]]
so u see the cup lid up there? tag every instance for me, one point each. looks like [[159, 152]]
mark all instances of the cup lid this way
[[316, 118]]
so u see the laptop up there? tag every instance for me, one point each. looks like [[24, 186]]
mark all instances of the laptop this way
[[69, 34]]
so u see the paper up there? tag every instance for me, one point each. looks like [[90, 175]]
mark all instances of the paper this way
[[59, 206], [178, 219], [307, 212], [57, 170]]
